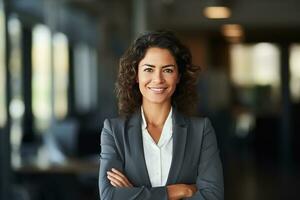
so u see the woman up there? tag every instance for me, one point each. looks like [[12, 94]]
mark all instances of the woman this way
[[156, 149]]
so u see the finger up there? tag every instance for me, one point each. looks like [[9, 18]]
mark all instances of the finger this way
[[115, 182], [123, 176], [118, 172], [118, 178]]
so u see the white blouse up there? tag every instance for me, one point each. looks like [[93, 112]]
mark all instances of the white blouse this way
[[158, 156]]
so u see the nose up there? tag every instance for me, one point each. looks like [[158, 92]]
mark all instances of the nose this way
[[158, 77]]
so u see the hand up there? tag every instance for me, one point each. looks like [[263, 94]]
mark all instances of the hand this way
[[179, 191], [117, 179], [190, 190]]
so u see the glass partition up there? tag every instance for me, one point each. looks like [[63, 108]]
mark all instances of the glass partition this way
[[16, 103]]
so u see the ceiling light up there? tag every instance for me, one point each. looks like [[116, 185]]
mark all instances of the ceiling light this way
[[217, 12], [233, 32]]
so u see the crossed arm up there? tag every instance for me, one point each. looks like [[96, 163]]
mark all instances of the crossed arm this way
[[175, 191]]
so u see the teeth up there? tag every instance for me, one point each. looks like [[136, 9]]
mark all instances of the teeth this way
[[157, 89]]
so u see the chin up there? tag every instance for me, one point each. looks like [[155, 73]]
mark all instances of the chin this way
[[157, 100]]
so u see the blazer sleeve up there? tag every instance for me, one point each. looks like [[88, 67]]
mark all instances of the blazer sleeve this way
[[210, 172], [111, 157]]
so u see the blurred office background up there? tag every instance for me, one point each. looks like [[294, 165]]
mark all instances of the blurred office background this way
[[58, 66]]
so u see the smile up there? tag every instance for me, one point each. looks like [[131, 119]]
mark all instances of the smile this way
[[157, 90]]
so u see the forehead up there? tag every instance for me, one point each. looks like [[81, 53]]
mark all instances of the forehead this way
[[158, 55]]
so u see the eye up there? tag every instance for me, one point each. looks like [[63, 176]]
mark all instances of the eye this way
[[148, 69], [168, 70]]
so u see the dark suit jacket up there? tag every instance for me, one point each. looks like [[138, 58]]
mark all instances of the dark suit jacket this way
[[195, 159]]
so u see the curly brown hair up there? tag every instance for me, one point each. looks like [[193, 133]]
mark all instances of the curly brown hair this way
[[129, 96]]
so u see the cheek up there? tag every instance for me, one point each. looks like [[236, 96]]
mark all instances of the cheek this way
[[174, 80], [141, 83], [139, 76], [143, 79]]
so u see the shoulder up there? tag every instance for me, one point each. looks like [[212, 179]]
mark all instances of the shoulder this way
[[198, 121], [193, 122], [199, 124], [112, 124]]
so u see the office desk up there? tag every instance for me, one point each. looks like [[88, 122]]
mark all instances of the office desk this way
[[74, 179]]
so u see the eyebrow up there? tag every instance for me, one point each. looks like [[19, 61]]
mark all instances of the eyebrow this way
[[153, 66]]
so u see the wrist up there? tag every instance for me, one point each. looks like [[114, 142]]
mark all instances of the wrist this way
[[176, 191], [188, 192], [179, 191]]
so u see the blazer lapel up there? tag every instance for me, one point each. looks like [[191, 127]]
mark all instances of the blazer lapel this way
[[179, 141], [136, 144]]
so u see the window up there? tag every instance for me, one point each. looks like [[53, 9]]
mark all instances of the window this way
[[41, 77], [2, 68], [85, 64], [256, 64], [295, 72], [255, 74], [61, 74]]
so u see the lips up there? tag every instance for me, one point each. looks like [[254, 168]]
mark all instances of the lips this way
[[157, 89]]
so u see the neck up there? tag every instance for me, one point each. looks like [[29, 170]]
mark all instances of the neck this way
[[156, 114]]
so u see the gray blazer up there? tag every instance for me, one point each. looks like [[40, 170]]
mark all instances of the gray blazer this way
[[195, 159]]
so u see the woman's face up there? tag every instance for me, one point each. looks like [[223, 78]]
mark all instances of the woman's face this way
[[157, 76]]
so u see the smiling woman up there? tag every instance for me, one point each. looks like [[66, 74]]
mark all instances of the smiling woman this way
[[156, 149]]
